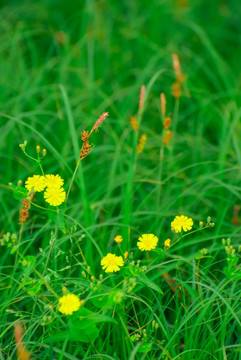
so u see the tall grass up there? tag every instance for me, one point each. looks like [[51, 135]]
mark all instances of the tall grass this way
[[63, 65]]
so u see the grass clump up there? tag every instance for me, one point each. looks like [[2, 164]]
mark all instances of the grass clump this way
[[122, 243]]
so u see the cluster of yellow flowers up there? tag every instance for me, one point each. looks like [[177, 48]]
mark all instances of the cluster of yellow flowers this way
[[54, 193], [146, 242], [70, 303]]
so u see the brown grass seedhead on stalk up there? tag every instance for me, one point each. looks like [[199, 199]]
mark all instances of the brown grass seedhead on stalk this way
[[141, 144], [23, 353], [176, 90], [177, 66], [167, 123], [167, 137], [163, 104], [86, 148], [142, 97], [85, 136], [134, 123], [98, 122], [23, 216]]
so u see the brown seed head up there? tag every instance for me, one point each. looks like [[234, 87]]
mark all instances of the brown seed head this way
[[141, 144], [23, 353], [98, 122], [134, 123], [176, 90], [26, 204], [86, 148], [142, 97], [163, 104], [84, 136], [23, 215], [167, 137], [176, 65], [167, 122]]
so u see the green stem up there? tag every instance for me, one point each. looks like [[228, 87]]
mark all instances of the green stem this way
[[72, 179]]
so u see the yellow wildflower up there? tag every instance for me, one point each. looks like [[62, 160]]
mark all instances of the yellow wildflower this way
[[35, 183], [54, 181], [54, 196], [111, 263], [118, 239], [147, 242], [126, 255], [181, 222], [167, 242], [69, 303]]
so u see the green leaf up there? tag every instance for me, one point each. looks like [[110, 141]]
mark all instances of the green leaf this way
[[59, 220], [145, 347], [143, 279], [19, 192], [81, 326], [101, 300], [27, 264]]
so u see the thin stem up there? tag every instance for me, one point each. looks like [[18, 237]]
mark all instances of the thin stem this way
[[72, 179]]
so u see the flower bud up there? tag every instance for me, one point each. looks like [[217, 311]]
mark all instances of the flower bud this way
[[38, 149]]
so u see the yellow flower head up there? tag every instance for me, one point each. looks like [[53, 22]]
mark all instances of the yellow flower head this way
[[118, 239], [167, 242], [35, 183], [69, 303], [147, 242], [126, 255], [181, 222], [54, 181], [54, 196], [111, 263]]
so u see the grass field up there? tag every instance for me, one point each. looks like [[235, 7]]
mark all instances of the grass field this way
[[63, 65]]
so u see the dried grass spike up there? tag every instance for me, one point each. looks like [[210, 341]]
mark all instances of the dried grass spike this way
[[134, 123], [142, 96], [23, 353], [141, 144], [86, 148], [99, 121], [167, 122], [176, 90], [163, 104], [167, 137], [176, 65], [84, 135]]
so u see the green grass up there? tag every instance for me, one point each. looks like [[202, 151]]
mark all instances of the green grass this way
[[50, 92]]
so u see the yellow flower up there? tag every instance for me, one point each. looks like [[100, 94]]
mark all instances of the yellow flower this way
[[111, 263], [69, 303], [35, 183], [54, 181], [181, 222], [167, 242], [126, 255], [118, 239], [147, 242], [54, 196]]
